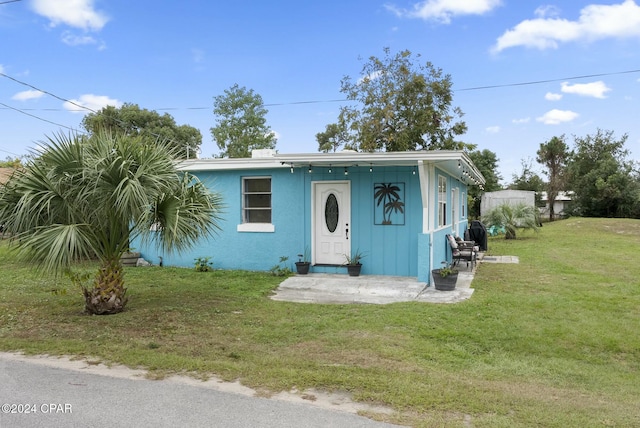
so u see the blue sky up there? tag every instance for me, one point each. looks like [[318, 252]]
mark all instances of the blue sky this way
[[175, 57]]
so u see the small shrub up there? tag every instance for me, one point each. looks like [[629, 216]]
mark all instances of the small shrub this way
[[203, 264], [281, 269]]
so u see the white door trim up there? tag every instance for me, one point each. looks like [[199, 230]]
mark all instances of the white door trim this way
[[330, 247]]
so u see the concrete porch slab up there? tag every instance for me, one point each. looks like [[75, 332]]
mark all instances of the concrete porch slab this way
[[373, 289], [378, 289]]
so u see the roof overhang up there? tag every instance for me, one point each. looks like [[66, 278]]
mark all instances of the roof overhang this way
[[455, 162]]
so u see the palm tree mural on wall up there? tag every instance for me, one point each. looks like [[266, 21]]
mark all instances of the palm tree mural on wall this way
[[389, 208]]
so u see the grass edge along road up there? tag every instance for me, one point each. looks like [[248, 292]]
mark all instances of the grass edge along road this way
[[551, 341]]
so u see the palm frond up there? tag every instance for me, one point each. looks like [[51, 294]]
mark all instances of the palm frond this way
[[512, 217], [53, 248], [89, 196], [182, 217]]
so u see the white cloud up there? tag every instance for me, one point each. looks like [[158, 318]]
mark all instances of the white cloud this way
[[493, 129], [594, 89], [275, 134], [1, 69], [371, 76], [74, 13], [30, 94], [556, 117], [444, 10], [595, 22], [550, 96], [90, 102], [75, 40], [547, 11], [522, 120]]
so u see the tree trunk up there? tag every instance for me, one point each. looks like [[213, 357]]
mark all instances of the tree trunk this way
[[108, 293], [552, 213]]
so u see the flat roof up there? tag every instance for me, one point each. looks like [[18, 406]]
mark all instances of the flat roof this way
[[451, 161]]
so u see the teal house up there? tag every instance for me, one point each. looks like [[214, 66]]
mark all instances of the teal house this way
[[396, 208]]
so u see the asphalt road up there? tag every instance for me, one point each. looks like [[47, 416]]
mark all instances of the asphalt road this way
[[36, 395]]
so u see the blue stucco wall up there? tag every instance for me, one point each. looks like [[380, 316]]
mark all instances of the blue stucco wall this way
[[396, 249], [230, 249], [424, 255]]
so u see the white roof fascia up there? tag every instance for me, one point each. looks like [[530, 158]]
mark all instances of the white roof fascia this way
[[448, 159], [228, 164]]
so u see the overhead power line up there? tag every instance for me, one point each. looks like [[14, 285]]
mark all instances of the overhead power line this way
[[81, 107], [37, 117], [473, 88], [536, 82], [48, 93]]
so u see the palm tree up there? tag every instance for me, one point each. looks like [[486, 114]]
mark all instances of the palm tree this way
[[88, 197], [512, 218]]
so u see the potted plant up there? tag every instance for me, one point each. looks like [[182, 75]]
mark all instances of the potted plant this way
[[302, 265], [445, 278], [353, 263]]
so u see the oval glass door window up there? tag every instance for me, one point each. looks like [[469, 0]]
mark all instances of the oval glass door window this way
[[331, 212]]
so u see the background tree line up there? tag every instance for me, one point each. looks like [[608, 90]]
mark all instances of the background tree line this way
[[398, 104], [597, 171]]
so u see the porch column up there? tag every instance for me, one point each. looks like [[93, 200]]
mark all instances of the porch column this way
[[423, 175], [425, 255]]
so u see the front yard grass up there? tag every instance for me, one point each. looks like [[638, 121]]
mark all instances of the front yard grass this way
[[552, 341]]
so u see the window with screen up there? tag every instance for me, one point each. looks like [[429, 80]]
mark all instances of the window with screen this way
[[442, 201], [256, 200]]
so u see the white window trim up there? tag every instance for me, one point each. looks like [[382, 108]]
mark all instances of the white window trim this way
[[255, 227], [442, 203], [463, 205]]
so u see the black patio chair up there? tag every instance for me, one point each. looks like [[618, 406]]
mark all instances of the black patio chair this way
[[463, 250]]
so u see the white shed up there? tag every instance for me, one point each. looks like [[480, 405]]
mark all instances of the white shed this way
[[491, 200], [562, 202]]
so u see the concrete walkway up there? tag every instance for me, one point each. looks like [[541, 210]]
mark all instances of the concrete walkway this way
[[376, 289]]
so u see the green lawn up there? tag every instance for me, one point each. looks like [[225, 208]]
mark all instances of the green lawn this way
[[552, 341]]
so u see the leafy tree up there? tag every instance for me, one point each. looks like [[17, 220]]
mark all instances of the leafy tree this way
[[554, 155], [601, 176], [10, 162], [88, 197], [241, 123], [512, 217], [401, 106], [528, 180], [332, 138], [635, 193], [487, 163], [133, 121]]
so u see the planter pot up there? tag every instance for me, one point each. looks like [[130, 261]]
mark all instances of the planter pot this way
[[302, 267], [354, 270], [446, 283]]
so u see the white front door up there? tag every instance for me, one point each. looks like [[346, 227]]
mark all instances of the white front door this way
[[331, 221]]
